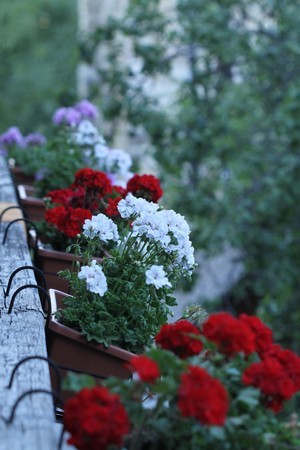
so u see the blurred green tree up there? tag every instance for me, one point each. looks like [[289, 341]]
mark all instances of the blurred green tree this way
[[229, 141], [38, 60]]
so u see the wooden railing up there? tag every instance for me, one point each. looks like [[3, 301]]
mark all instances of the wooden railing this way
[[31, 424]]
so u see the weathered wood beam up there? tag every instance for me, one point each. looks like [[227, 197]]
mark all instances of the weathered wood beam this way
[[22, 334]]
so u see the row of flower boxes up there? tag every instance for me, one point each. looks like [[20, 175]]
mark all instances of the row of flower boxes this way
[[66, 346]]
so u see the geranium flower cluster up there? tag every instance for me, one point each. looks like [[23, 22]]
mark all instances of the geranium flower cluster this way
[[276, 374], [73, 115], [22, 150], [68, 221], [180, 338], [192, 384], [154, 240], [167, 230], [13, 139], [87, 410], [86, 135], [202, 397], [143, 255], [52, 161], [74, 143], [90, 193], [115, 162], [83, 133]]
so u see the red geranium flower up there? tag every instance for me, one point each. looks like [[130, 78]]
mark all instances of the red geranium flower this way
[[229, 334], [145, 186], [75, 221], [272, 379], [96, 419], [146, 368], [203, 397], [60, 196], [181, 337], [93, 180], [289, 360], [67, 197], [112, 208], [119, 191], [56, 216], [68, 220], [263, 334]]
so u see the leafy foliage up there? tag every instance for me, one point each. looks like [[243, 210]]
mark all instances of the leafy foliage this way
[[126, 317], [163, 383], [38, 54], [228, 139], [124, 297]]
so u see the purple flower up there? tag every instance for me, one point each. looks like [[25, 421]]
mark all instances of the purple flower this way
[[41, 173], [12, 136], [69, 116], [35, 139], [87, 109]]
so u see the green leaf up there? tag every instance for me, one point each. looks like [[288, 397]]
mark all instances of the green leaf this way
[[250, 396]]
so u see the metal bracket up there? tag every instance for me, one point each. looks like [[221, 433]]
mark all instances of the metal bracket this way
[[54, 395], [27, 222], [36, 271], [40, 289], [42, 358], [13, 207]]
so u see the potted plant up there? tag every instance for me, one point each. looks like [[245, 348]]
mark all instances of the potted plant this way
[[34, 206], [123, 300], [91, 192], [224, 385], [72, 352], [57, 170], [21, 152], [51, 163]]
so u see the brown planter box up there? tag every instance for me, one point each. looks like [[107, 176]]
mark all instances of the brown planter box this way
[[72, 352], [19, 176], [34, 206], [51, 262]]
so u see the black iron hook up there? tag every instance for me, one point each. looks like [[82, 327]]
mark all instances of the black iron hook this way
[[13, 207], [54, 395], [27, 222], [40, 289], [42, 358], [36, 271]]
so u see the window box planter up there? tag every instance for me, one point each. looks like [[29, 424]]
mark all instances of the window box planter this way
[[34, 206], [19, 176], [51, 262], [72, 352]]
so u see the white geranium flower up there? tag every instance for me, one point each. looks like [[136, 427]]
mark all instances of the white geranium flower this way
[[95, 278], [177, 224], [147, 207], [87, 134], [118, 161], [113, 161], [132, 206], [101, 152], [150, 225], [101, 226], [157, 276], [185, 255], [127, 206]]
